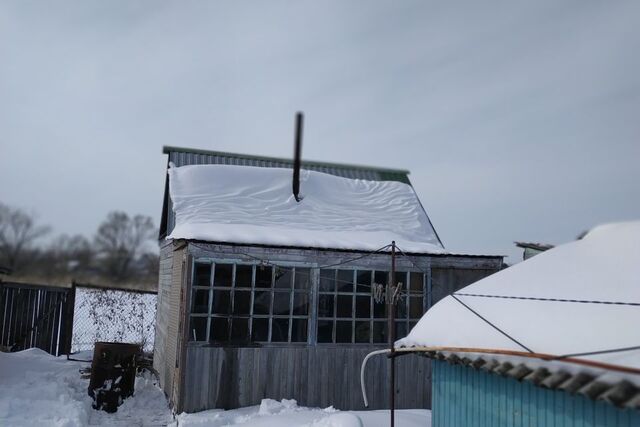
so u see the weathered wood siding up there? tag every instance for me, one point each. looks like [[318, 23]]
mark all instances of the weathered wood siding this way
[[167, 314], [317, 376], [466, 397]]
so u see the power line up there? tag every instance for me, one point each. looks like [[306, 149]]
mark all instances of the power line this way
[[550, 299], [592, 353]]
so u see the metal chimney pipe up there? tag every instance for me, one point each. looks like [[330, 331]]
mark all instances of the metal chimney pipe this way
[[296, 156]]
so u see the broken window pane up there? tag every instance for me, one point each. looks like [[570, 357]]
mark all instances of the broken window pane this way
[[343, 331], [202, 275], [345, 281], [416, 309], [220, 329], [241, 302], [263, 276], [260, 329], [417, 282], [200, 302], [279, 330], [221, 302], [300, 303], [299, 330], [364, 281], [281, 301], [325, 305], [379, 332], [325, 331], [244, 273], [198, 329], [303, 278], [284, 277], [362, 331], [327, 280], [239, 329], [344, 306], [223, 275], [261, 302], [363, 306]]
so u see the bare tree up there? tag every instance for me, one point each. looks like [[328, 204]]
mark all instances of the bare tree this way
[[120, 240], [18, 231]]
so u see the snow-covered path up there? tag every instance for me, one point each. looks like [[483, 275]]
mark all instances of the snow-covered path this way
[[37, 389]]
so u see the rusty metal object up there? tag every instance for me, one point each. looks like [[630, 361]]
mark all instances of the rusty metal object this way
[[113, 374]]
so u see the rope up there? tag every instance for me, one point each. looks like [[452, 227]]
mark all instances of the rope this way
[[550, 299], [492, 325]]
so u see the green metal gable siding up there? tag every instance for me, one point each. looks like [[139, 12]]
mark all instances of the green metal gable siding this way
[[466, 397]]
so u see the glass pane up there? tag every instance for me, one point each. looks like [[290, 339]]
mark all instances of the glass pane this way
[[412, 325], [221, 302], [380, 332], [300, 303], [244, 274], [260, 330], [401, 277], [344, 305], [281, 301], [345, 281], [284, 277], [198, 329], [263, 276], [200, 301], [362, 331], [379, 309], [327, 280], [402, 310], [416, 309], [325, 305], [381, 277], [363, 306], [299, 330], [401, 330], [202, 275], [325, 331], [220, 329], [279, 330], [364, 281], [417, 282], [239, 329], [303, 278], [261, 302], [241, 302], [223, 275], [343, 331]]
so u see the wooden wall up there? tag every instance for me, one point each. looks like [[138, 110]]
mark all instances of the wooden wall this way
[[316, 376]]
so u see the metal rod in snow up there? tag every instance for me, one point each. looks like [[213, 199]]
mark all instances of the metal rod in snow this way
[[296, 157], [392, 333]]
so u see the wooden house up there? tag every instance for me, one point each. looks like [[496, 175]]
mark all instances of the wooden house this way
[[264, 296], [550, 341]]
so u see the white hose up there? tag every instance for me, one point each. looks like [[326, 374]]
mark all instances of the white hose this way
[[362, 368]]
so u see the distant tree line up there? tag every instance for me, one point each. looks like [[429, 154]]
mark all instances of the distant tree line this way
[[120, 252]]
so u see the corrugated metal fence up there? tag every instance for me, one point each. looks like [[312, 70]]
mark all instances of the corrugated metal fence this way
[[36, 316]]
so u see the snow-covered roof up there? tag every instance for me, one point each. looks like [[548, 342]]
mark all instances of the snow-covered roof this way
[[576, 298], [254, 205]]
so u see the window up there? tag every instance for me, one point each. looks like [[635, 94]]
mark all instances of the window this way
[[348, 313], [242, 303]]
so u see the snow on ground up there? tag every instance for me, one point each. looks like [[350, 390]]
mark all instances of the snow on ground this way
[[271, 413], [37, 389], [254, 205]]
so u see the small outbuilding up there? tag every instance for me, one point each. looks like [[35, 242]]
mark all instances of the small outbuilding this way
[[261, 295], [554, 340]]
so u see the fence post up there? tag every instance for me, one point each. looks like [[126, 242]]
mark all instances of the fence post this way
[[68, 318]]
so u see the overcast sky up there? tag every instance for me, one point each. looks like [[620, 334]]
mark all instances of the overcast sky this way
[[518, 120]]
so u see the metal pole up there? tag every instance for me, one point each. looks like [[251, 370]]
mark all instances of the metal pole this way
[[392, 332]]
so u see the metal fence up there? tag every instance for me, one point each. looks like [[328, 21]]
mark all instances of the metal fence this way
[[113, 315]]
